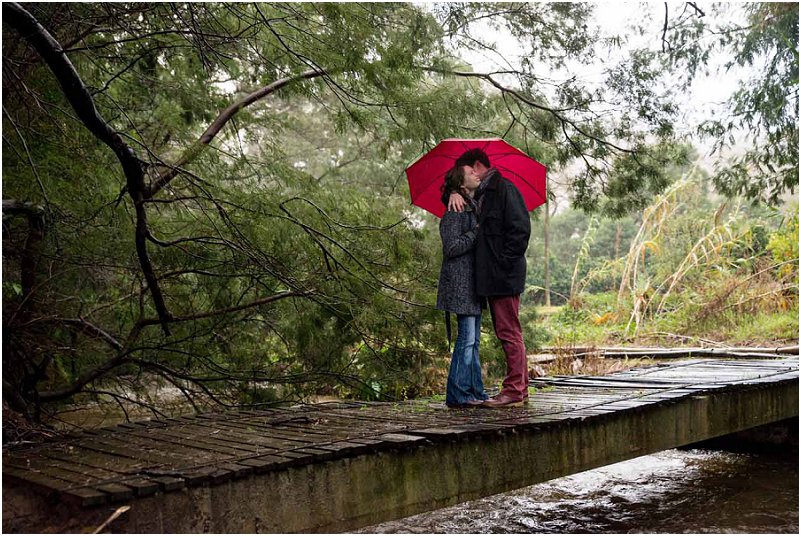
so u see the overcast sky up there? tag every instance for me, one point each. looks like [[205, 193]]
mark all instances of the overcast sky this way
[[616, 19]]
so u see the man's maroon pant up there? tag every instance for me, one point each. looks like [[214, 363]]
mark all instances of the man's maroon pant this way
[[506, 320]]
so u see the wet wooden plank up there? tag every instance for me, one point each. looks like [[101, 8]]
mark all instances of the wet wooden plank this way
[[255, 428], [116, 492], [172, 436], [323, 431], [36, 466], [245, 438], [347, 427], [399, 418], [199, 437], [168, 483], [122, 451], [315, 454], [372, 443], [263, 464], [346, 448], [461, 430], [198, 476], [287, 436], [230, 471], [96, 460], [81, 476], [77, 474], [152, 441], [528, 421], [80, 497], [143, 487]]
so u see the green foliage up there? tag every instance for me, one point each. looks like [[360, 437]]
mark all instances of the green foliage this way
[[783, 246], [535, 336], [764, 108]]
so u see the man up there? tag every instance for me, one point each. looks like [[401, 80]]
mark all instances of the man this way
[[501, 244]]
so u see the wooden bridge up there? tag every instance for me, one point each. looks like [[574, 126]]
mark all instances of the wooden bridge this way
[[338, 466]]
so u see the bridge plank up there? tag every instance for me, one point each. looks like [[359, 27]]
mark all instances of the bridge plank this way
[[83, 476], [116, 492], [49, 471], [269, 462], [282, 432], [372, 423], [296, 438], [168, 483], [96, 460], [231, 471], [77, 474], [247, 437], [143, 487], [173, 451], [343, 428], [265, 440], [198, 476], [177, 437], [102, 444], [84, 497]]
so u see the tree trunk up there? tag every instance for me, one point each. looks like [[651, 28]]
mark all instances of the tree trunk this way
[[35, 214]]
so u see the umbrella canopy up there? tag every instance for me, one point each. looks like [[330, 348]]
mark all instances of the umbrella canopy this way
[[427, 174]]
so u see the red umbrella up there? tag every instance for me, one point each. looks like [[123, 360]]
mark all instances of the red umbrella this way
[[427, 174]]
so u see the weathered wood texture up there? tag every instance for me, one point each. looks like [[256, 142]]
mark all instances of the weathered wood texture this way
[[337, 466]]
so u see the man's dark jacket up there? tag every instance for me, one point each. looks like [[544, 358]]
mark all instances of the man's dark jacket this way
[[502, 239]]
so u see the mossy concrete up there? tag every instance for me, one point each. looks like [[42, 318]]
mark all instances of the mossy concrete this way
[[346, 494]]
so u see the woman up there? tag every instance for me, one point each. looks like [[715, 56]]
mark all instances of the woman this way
[[456, 292]]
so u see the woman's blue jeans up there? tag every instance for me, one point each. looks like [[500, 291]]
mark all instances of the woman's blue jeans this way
[[464, 376]]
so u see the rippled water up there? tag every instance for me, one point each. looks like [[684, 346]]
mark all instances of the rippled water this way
[[675, 491]]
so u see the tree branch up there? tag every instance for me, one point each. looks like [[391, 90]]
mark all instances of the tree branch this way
[[556, 112], [80, 383], [90, 329], [81, 101], [214, 128], [262, 301]]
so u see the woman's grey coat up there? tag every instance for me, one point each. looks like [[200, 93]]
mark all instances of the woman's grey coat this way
[[456, 292]]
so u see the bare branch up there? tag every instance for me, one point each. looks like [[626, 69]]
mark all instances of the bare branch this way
[[665, 44], [217, 125], [90, 329]]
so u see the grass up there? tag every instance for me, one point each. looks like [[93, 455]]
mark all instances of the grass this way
[[597, 322]]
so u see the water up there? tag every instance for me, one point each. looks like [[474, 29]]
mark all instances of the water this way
[[675, 491]]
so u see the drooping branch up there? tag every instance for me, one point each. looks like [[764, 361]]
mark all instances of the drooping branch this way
[[76, 386], [92, 330], [214, 128], [217, 312], [665, 43], [556, 112], [81, 101]]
